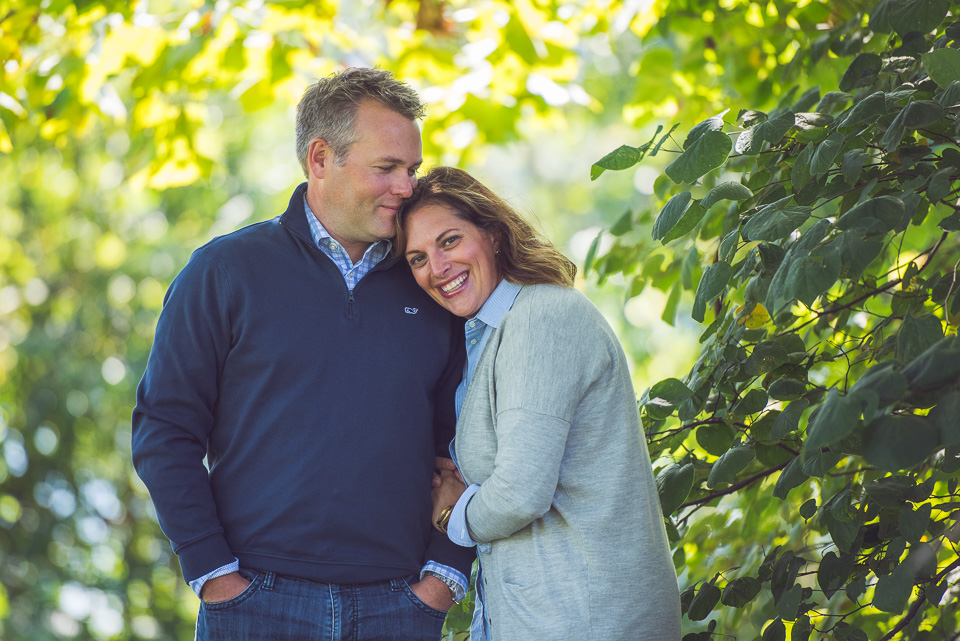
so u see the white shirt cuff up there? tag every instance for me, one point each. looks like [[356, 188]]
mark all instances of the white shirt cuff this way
[[197, 584], [457, 525]]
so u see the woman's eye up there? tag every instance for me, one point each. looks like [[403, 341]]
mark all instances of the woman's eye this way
[[450, 240], [416, 260]]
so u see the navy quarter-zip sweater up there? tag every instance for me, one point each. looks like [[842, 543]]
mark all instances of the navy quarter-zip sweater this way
[[318, 410]]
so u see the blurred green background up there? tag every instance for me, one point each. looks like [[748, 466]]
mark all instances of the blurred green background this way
[[132, 133]]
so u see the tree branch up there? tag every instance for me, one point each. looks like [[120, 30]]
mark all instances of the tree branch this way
[[736, 487]]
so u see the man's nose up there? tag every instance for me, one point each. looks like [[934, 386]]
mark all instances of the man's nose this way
[[404, 185]]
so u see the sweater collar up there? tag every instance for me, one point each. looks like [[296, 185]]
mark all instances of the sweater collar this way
[[295, 220]]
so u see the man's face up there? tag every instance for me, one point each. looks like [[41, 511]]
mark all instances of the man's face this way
[[358, 201]]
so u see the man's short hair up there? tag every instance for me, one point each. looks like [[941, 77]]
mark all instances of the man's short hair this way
[[328, 108]]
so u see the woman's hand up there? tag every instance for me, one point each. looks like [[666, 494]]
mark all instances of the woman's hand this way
[[447, 492]]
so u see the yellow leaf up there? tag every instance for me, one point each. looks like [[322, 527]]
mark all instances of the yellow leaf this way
[[756, 319]]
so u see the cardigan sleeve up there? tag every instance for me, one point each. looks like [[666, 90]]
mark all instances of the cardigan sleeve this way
[[550, 354]]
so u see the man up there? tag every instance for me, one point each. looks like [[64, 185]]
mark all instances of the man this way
[[317, 379]]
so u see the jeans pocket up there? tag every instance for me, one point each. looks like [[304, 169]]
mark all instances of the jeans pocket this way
[[256, 580], [420, 605]]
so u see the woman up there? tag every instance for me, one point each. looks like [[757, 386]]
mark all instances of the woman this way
[[561, 500]]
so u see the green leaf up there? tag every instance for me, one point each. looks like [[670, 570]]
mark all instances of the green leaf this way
[[896, 442], [671, 214], [888, 210], [788, 419], [789, 603], [852, 165], [836, 418], [832, 98], [712, 283], [862, 71], [808, 509], [775, 221], [916, 335], [740, 592], [951, 95], [703, 602], [940, 184], [914, 523], [670, 391], [817, 463], [706, 153], [689, 267], [714, 123], [715, 438], [674, 483], [750, 142], [800, 174], [890, 492], [867, 110], [690, 219], [922, 113], [936, 366], [776, 631], [806, 270], [592, 253], [934, 593], [885, 381], [728, 245], [766, 356], [833, 572], [623, 224], [726, 468], [893, 590], [725, 191], [669, 315], [623, 157], [914, 116], [801, 629], [917, 15], [944, 418], [754, 401], [791, 476], [825, 153], [787, 389]]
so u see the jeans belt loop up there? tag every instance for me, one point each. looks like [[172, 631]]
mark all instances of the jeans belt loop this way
[[268, 580]]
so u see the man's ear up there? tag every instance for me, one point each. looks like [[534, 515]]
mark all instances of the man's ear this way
[[318, 155]]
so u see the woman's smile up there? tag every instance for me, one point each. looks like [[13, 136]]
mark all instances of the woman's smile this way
[[452, 259]]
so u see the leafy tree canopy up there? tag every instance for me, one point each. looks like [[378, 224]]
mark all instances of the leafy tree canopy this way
[[817, 238]]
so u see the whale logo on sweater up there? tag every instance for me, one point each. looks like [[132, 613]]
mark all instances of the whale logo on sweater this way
[[411, 310]]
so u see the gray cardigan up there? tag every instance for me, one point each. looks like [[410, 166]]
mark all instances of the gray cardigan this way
[[571, 537]]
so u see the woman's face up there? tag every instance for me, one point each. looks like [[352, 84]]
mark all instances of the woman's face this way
[[452, 259]]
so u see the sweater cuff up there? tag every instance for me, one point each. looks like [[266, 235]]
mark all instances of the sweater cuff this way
[[203, 556]]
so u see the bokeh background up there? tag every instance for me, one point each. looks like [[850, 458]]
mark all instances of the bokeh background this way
[[133, 132]]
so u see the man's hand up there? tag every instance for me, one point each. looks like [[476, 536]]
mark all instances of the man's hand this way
[[226, 587], [442, 464], [447, 493], [434, 593]]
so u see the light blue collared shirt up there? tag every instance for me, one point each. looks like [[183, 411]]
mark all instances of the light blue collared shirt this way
[[352, 273], [477, 332]]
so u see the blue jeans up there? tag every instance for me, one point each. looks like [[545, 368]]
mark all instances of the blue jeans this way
[[283, 608]]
